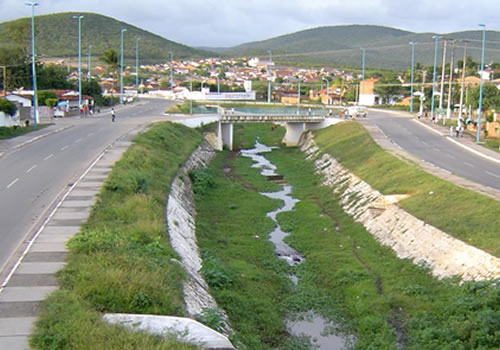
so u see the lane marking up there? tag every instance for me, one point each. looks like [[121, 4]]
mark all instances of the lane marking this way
[[65, 147], [474, 151], [48, 157], [449, 155], [33, 167], [90, 134], [398, 146], [428, 127], [425, 143], [12, 183], [472, 166], [78, 140], [436, 149], [494, 175]]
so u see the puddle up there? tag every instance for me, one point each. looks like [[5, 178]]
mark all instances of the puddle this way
[[320, 332]]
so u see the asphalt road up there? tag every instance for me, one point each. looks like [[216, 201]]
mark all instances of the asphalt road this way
[[33, 177], [435, 149]]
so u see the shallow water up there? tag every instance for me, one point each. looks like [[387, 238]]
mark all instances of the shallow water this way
[[320, 331]]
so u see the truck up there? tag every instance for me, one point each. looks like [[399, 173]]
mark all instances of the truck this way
[[356, 111]]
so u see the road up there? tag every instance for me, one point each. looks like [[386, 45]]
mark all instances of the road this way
[[33, 177], [434, 149]]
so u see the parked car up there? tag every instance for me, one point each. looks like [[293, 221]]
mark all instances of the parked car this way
[[358, 111]]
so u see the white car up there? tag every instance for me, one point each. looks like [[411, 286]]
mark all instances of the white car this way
[[358, 111]]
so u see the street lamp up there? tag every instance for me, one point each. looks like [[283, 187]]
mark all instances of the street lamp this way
[[448, 106], [412, 43], [269, 77], [121, 66], [460, 113], [327, 90], [298, 98], [33, 62], [79, 18], [436, 39], [137, 63], [481, 86], [171, 70], [88, 75]]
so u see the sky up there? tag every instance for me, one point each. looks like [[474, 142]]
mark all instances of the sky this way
[[225, 23]]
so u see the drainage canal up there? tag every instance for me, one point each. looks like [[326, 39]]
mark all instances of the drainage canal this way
[[308, 325]]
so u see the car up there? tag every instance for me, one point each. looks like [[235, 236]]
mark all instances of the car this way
[[356, 111]]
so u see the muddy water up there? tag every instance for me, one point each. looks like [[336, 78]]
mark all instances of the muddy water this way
[[309, 325]]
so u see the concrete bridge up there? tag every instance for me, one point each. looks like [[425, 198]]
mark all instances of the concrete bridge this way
[[295, 125]]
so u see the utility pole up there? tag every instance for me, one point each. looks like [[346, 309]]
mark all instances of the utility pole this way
[[190, 95], [442, 75], [270, 73], [171, 70], [79, 18], [298, 98], [121, 66], [412, 43], [4, 80], [449, 107], [33, 63], [88, 74], [460, 112], [436, 38], [478, 135], [363, 73], [137, 64]]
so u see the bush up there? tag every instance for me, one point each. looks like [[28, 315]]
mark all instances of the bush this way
[[7, 107], [202, 180]]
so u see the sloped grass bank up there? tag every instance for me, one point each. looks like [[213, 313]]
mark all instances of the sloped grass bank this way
[[7, 132], [122, 261], [387, 302], [465, 214]]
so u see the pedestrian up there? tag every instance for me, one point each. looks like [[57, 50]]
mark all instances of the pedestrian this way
[[451, 130], [462, 130], [457, 131], [113, 116]]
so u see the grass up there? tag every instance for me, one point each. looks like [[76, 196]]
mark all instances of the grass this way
[[122, 261], [8, 132], [493, 144], [465, 214]]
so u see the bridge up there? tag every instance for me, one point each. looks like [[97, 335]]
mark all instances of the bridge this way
[[295, 125]]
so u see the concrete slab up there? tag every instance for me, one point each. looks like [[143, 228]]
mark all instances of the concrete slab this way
[[52, 229], [71, 213], [74, 196], [32, 280], [67, 222], [45, 256], [19, 309], [84, 192], [14, 343], [21, 294], [16, 326], [39, 267], [48, 247], [53, 238], [71, 203]]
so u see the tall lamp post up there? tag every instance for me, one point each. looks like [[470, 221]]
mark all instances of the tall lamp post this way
[[171, 70], [436, 39], [33, 62], [79, 18], [121, 66], [412, 43], [269, 77], [88, 74], [363, 73], [478, 135], [460, 111], [327, 90], [137, 63], [448, 106]]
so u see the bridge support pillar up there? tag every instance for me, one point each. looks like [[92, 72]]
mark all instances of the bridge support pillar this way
[[293, 133], [224, 136]]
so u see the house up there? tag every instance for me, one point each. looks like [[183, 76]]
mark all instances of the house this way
[[286, 96], [367, 95]]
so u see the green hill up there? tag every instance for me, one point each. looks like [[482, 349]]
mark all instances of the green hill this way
[[57, 36], [340, 45]]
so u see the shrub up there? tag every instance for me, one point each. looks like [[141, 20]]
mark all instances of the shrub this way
[[7, 107]]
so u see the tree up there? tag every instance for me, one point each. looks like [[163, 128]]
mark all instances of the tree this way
[[52, 76], [491, 97], [388, 86], [15, 56], [92, 88], [7, 107], [43, 96], [110, 57]]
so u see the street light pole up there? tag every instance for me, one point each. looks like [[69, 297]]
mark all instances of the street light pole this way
[[269, 77], [442, 75], [171, 70], [137, 64], [448, 107], [412, 43], [79, 18], [460, 113], [436, 39], [327, 90], [481, 86], [363, 73], [121, 66], [88, 74], [33, 63]]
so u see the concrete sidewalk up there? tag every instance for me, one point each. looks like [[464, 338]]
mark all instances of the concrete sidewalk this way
[[33, 277]]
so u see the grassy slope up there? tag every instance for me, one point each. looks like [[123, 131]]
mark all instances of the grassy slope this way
[[122, 260], [57, 36], [464, 214], [10, 132]]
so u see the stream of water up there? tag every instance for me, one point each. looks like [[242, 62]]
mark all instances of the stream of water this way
[[320, 331]]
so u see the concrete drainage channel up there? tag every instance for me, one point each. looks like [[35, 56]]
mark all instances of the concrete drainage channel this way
[[320, 332]]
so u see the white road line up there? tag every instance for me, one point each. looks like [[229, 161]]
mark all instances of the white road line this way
[[428, 127], [449, 155], [12, 183], [90, 134], [398, 146], [474, 151], [48, 157], [65, 147], [468, 164], [78, 140], [425, 143], [494, 175], [436, 149], [33, 167]]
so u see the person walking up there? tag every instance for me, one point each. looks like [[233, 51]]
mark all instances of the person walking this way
[[113, 115]]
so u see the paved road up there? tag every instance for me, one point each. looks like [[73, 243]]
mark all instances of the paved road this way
[[34, 176], [437, 150]]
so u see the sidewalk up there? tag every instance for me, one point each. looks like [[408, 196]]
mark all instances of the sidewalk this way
[[33, 277]]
